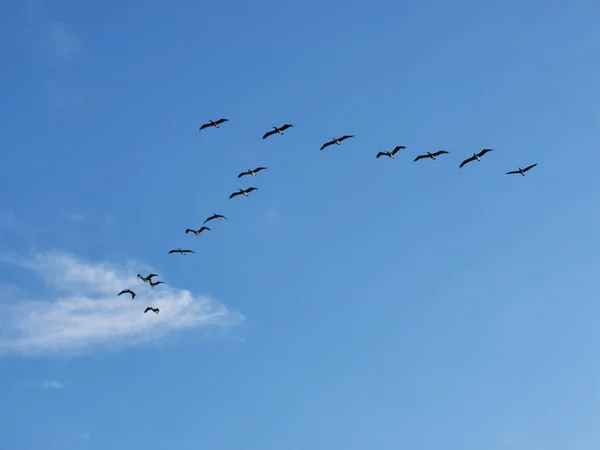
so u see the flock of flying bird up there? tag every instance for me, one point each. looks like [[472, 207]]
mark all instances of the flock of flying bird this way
[[280, 130]]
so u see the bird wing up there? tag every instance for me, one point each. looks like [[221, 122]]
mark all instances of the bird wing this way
[[234, 194], [189, 230], [250, 189], [258, 169], [381, 154], [243, 173], [220, 121], [269, 133], [441, 152], [529, 167], [206, 125], [484, 151], [327, 144], [204, 228], [122, 292], [347, 136], [420, 157], [173, 251], [188, 251], [466, 161], [208, 219], [147, 309], [286, 126], [152, 275], [512, 172], [397, 149]]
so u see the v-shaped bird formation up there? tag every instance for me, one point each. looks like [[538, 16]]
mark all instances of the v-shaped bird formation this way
[[253, 172]]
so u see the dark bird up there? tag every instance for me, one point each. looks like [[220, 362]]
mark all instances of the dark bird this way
[[215, 216], [129, 291], [521, 171], [183, 252], [277, 130], [244, 192], [198, 231], [431, 155], [155, 283], [336, 141], [148, 278], [392, 153], [252, 172], [213, 123], [150, 308], [475, 157]]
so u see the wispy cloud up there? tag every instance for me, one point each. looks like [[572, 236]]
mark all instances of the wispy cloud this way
[[63, 44], [51, 384], [83, 310]]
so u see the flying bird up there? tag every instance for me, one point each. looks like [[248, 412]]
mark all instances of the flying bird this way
[[243, 192], [337, 141], [128, 291], [150, 308], [277, 130], [392, 153], [251, 172], [183, 252], [215, 216], [522, 171], [431, 155], [213, 123], [198, 231], [475, 157], [155, 283], [148, 278]]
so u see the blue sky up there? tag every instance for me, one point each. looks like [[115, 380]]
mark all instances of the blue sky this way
[[349, 302]]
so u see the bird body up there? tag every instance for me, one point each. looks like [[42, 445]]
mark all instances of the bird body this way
[[337, 141], [276, 130], [198, 231], [251, 172], [215, 216], [475, 157], [521, 171], [150, 308], [147, 278], [213, 123], [128, 291], [183, 252], [243, 192], [431, 155], [391, 154]]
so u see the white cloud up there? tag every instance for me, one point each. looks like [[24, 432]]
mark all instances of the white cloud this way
[[51, 384], [85, 311]]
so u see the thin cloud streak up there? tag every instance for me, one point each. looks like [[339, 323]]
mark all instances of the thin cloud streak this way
[[85, 311], [51, 384]]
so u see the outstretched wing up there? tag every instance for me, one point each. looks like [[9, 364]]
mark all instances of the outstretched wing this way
[[269, 133], [327, 144], [347, 136], [420, 157], [208, 219], [529, 167], [152, 275], [513, 172], [286, 126], [206, 125], [484, 151], [147, 309], [188, 251], [123, 292], [466, 161], [173, 251], [382, 154], [243, 173], [202, 229], [235, 194], [220, 121], [189, 231], [397, 149], [441, 152], [258, 169], [250, 189]]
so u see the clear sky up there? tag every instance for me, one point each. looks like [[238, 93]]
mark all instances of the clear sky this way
[[350, 302]]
